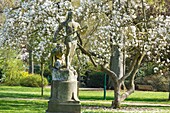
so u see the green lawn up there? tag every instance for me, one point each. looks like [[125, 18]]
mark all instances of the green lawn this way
[[28, 100]]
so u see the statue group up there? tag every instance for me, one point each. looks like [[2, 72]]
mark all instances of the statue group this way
[[64, 87], [70, 39]]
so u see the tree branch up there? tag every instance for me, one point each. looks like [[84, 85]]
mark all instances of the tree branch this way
[[1, 11], [87, 53], [131, 68], [91, 33], [109, 72], [132, 85], [135, 65]]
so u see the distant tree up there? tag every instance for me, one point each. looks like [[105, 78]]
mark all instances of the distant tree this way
[[10, 65], [31, 25], [5, 4]]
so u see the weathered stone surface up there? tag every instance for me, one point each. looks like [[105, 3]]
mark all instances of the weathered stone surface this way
[[64, 97], [55, 107], [64, 91], [64, 74]]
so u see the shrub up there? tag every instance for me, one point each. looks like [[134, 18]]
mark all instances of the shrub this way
[[12, 82], [15, 79], [2, 78], [95, 80], [146, 69], [33, 80], [25, 79], [11, 71], [24, 74]]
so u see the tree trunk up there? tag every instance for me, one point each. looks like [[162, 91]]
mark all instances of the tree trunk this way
[[115, 61], [42, 79], [169, 88], [117, 96], [31, 63], [116, 65]]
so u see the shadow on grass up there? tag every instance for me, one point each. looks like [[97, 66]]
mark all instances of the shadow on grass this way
[[23, 89], [22, 105], [146, 99], [94, 98], [133, 99], [20, 95]]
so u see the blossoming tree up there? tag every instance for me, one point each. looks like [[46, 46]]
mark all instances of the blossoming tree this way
[[31, 25], [129, 32]]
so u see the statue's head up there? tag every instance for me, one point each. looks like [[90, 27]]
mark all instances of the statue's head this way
[[69, 15]]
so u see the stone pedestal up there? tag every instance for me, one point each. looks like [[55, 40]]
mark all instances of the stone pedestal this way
[[64, 97], [63, 107]]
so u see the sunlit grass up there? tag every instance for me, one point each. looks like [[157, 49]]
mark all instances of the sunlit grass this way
[[146, 96], [28, 100], [22, 106], [137, 96]]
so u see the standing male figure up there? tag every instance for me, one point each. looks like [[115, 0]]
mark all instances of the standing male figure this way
[[71, 28]]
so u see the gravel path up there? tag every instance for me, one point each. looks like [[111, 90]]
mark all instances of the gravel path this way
[[135, 108], [134, 103]]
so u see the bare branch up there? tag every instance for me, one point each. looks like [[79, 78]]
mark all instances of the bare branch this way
[[132, 85], [131, 68], [91, 33], [126, 94], [109, 72], [87, 53], [135, 65]]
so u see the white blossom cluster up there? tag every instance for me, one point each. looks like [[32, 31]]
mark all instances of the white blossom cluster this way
[[127, 29], [89, 9], [94, 11], [111, 33], [33, 25], [124, 26]]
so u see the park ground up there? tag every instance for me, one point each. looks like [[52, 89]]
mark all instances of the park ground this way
[[18, 99]]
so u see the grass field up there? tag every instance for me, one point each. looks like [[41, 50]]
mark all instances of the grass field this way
[[28, 100]]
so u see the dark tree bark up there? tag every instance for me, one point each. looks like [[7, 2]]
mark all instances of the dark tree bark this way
[[31, 63], [117, 96], [169, 87], [42, 79]]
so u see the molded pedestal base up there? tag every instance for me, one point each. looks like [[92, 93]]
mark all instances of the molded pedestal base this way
[[55, 107]]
